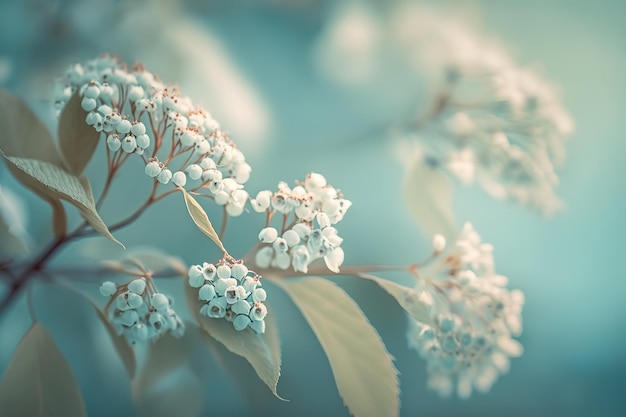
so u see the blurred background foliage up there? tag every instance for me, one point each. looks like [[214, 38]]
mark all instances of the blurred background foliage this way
[[257, 66]]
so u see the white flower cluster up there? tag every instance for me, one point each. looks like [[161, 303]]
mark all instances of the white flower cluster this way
[[473, 317], [315, 206], [495, 122], [230, 291], [140, 312], [135, 110]]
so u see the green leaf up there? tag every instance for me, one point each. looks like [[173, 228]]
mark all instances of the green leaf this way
[[364, 372], [406, 297], [66, 186], [77, 140], [200, 218], [261, 350], [38, 381], [124, 350], [181, 395], [168, 356], [24, 135], [11, 244], [429, 198], [165, 355]]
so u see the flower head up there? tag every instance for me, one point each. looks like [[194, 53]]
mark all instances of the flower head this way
[[230, 291], [140, 115], [474, 318], [141, 313]]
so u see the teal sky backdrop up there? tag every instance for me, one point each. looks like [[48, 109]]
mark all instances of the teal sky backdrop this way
[[570, 266]]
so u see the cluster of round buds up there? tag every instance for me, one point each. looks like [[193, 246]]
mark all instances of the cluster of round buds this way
[[513, 143], [137, 112], [502, 125], [468, 340], [314, 207], [230, 291], [140, 313]]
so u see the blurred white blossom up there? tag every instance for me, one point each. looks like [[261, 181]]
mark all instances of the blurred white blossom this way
[[474, 318]]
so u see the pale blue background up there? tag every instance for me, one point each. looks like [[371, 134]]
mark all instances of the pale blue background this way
[[570, 267]]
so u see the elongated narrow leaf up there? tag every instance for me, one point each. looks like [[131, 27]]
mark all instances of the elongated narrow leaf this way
[[38, 381], [429, 197], [407, 298], [77, 140], [64, 186], [200, 218], [364, 372], [124, 350], [23, 135], [261, 350]]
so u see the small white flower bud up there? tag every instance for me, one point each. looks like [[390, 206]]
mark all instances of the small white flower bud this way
[[302, 230], [153, 168], [217, 308], [134, 300], [281, 260], [164, 176], [207, 292], [241, 322], [196, 278], [143, 141], [179, 178], [223, 271], [157, 321], [231, 294], [208, 271], [322, 219], [300, 259], [221, 198], [106, 91], [194, 171], [258, 326], [263, 257], [88, 104], [108, 288], [241, 307], [135, 93], [291, 237], [188, 138], [238, 271], [129, 318], [439, 243], [138, 129], [140, 333], [137, 286], [93, 118], [123, 126], [268, 235], [259, 295], [223, 284], [129, 144], [202, 147], [92, 91], [259, 311], [280, 245], [160, 302], [121, 301]]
